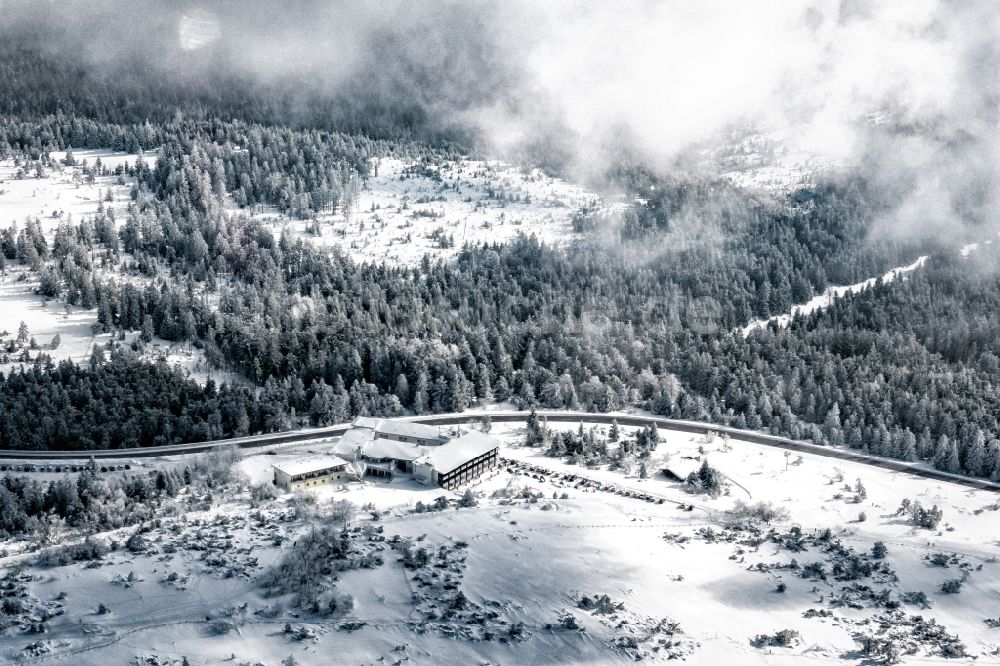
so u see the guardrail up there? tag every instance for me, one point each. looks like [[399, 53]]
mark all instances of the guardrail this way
[[693, 427]]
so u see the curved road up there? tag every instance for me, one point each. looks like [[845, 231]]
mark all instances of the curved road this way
[[694, 427]]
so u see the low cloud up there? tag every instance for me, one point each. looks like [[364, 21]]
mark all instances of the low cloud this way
[[905, 88]]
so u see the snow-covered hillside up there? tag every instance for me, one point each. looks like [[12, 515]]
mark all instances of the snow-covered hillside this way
[[771, 160], [68, 193], [409, 209], [520, 576], [406, 210]]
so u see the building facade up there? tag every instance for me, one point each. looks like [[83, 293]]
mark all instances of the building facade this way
[[459, 461], [469, 471], [311, 471]]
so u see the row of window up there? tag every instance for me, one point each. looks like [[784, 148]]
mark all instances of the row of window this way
[[320, 482], [313, 475], [470, 470]]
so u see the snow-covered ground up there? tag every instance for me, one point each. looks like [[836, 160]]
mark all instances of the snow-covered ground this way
[[772, 160], [532, 561], [64, 191], [409, 210], [827, 298], [74, 325], [46, 319]]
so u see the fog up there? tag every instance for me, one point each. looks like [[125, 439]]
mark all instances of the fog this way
[[905, 89]]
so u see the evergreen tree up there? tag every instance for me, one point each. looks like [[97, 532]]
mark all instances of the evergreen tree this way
[[946, 456], [976, 456], [534, 429]]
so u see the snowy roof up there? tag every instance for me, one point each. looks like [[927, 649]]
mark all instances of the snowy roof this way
[[367, 422], [352, 440], [407, 429], [682, 467], [457, 452], [309, 464], [390, 448]]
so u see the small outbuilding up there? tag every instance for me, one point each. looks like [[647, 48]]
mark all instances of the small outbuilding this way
[[679, 469], [311, 471]]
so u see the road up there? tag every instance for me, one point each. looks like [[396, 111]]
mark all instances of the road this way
[[693, 427]]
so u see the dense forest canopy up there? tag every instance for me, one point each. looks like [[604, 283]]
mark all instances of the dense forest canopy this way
[[643, 310]]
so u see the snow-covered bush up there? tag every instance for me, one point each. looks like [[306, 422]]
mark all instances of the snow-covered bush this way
[[952, 586], [761, 512], [707, 480], [785, 638], [88, 550]]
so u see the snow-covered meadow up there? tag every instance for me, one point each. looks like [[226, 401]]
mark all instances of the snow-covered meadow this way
[[66, 193], [532, 561], [409, 209], [63, 192], [46, 319]]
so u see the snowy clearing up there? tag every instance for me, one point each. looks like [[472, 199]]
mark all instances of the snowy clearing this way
[[408, 210], [46, 319], [63, 191]]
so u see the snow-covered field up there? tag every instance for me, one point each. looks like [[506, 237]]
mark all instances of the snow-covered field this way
[[74, 325], [539, 541], [408, 210], [64, 191]]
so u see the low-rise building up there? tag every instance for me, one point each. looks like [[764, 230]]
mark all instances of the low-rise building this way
[[407, 432], [459, 461], [386, 447], [390, 455], [679, 469], [311, 471]]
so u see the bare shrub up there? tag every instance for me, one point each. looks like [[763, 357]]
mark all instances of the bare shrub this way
[[761, 512]]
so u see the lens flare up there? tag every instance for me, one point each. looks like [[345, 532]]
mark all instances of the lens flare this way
[[197, 29]]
